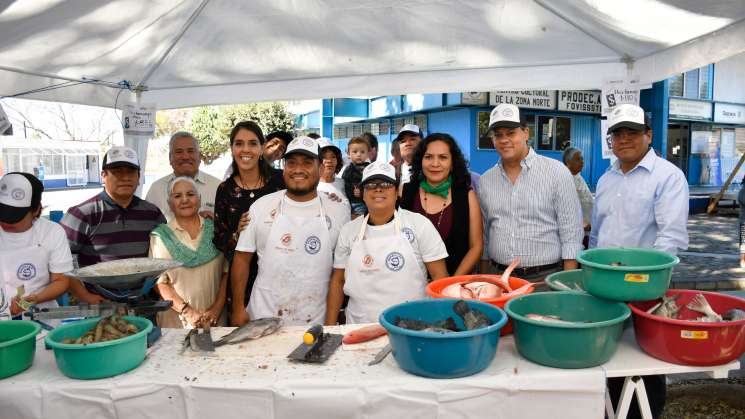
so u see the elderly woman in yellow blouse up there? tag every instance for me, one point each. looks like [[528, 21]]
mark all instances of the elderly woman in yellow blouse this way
[[198, 288]]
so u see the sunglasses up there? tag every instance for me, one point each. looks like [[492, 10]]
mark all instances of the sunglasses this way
[[375, 185]]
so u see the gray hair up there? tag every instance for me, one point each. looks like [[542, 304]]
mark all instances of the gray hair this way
[[187, 179], [180, 134], [569, 153]]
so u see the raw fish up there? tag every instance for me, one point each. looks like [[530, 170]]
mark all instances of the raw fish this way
[[413, 324], [364, 334], [699, 304], [666, 308], [734, 314], [254, 329], [472, 319], [505, 279], [472, 290], [550, 319]]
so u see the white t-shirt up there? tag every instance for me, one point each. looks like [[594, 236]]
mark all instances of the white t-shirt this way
[[335, 187], [405, 172], [52, 238], [424, 238], [253, 238]]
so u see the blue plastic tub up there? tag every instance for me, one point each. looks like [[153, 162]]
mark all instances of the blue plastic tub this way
[[442, 355]]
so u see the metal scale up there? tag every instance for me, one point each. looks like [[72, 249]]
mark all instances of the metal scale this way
[[126, 283]]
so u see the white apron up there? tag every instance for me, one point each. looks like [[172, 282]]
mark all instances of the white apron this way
[[27, 266], [381, 272], [294, 270]]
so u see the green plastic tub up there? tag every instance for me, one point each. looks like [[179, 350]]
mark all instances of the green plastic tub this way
[[573, 278], [17, 346], [98, 360], [644, 274], [576, 345]]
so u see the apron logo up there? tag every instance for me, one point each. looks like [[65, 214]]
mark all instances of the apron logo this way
[[367, 261], [312, 245], [286, 239], [409, 233], [394, 261], [26, 271]]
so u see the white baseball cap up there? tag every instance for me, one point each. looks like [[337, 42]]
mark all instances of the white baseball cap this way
[[627, 116], [304, 145], [504, 115], [121, 156], [379, 170], [324, 143], [410, 129], [19, 194]]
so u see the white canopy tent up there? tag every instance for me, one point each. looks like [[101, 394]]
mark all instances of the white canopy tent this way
[[179, 53]]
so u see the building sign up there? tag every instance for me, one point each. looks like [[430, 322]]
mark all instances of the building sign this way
[[473, 98], [585, 101], [690, 109], [615, 92], [536, 99], [728, 113], [138, 119]]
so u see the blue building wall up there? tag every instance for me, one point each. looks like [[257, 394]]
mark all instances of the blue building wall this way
[[457, 124]]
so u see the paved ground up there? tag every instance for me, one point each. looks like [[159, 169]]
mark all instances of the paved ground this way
[[712, 259]]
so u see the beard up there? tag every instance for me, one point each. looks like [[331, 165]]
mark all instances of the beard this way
[[303, 191]]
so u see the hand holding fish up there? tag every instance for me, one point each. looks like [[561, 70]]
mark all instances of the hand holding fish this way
[[192, 316]]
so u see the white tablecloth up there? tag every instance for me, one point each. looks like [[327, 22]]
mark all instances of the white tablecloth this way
[[255, 380]]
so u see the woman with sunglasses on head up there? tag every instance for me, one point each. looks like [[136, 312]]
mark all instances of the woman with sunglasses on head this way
[[383, 258], [440, 189]]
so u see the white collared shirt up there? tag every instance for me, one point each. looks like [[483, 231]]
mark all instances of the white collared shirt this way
[[538, 218], [646, 207]]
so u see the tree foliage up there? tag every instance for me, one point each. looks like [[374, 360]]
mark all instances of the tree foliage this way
[[211, 124]]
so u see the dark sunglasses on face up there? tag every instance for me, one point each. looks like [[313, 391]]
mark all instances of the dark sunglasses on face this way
[[375, 185]]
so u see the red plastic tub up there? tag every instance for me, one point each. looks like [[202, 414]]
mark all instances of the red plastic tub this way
[[685, 342], [434, 290]]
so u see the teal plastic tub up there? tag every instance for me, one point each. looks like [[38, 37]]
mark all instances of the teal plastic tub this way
[[573, 279], [17, 346], [575, 345], [644, 274], [98, 360], [442, 355]]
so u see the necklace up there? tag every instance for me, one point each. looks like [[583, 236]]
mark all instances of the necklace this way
[[442, 211], [244, 186]]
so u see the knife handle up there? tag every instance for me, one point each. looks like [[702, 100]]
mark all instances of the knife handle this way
[[311, 336]]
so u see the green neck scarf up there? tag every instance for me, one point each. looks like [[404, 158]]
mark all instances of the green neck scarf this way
[[205, 252], [441, 189]]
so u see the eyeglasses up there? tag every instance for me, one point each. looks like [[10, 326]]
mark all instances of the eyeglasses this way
[[378, 185]]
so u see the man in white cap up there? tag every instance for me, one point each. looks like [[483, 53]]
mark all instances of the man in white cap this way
[[183, 153], [293, 232], [529, 204], [115, 224], [33, 250], [642, 200], [408, 138]]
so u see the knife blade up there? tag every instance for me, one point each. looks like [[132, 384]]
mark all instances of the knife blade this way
[[381, 355]]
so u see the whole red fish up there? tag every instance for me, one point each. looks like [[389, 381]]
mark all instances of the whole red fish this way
[[363, 334]]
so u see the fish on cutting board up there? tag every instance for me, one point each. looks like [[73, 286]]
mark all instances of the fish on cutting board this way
[[255, 329], [364, 334]]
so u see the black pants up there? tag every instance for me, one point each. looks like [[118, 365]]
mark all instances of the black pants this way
[[656, 393]]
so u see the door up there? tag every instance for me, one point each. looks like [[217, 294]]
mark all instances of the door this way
[[677, 145]]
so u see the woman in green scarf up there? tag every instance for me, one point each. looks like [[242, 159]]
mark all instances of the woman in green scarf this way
[[198, 288], [440, 189]]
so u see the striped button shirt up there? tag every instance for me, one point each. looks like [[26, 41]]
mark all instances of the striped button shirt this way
[[538, 219], [99, 230]]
